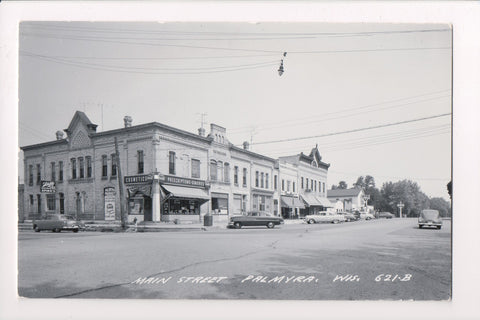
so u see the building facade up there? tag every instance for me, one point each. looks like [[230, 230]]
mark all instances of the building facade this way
[[305, 179], [167, 174], [347, 199]]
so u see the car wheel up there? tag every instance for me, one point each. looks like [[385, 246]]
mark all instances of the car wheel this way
[[75, 230], [335, 221], [57, 230], [37, 229], [311, 221], [420, 226], [237, 225], [439, 227], [270, 225]]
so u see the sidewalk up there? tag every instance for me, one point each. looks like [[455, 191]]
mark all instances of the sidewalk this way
[[115, 226]]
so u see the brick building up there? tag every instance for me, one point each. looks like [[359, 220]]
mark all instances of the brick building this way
[[168, 174]]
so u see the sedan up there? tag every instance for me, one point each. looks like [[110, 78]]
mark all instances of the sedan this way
[[349, 216], [255, 218], [366, 216], [57, 223], [386, 215], [325, 216], [430, 218]]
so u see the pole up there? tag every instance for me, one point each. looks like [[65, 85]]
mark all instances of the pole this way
[[120, 186]]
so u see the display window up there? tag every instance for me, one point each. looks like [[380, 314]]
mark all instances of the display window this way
[[181, 206]]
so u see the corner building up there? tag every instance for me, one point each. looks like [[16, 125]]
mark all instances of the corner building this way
[[168, 174]]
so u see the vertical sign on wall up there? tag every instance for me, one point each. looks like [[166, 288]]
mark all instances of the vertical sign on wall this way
[[109, 193]]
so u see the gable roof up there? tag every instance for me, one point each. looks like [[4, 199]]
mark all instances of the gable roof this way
[[81, 117], [352, 192]]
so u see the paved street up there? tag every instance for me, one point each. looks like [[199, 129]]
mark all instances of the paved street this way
[[363, 260]]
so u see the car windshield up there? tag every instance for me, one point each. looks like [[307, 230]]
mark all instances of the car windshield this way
[[430, 214]]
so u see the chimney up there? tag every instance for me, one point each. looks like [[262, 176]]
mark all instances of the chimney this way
[[128, 121], [246, 145], [59, 135], [201, 132]]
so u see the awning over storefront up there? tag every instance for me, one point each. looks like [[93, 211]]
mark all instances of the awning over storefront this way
[[139, 189], [292, 202], [325, 202], [311, 201], [186, 193]]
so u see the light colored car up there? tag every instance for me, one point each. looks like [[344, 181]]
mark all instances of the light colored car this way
[[386, 215], [255, 218], [366, 216], [349, 216], [430, 218], [324, 216], [57, 223]]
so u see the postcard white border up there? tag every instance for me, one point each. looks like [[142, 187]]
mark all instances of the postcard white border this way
[[466, 25]]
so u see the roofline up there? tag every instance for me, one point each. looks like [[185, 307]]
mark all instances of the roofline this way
[[43, 144], [233, 147], [154, 125]]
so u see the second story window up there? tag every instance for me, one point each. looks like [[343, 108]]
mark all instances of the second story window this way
[[226, 175], [74, 168], [195, 168], [256, 178], [235, 175], [262, 180], [213, 170], [104, 166], [306, 180], [140, 161], [283, 185], [52, 168], [275, 182], [30, 175], [81, 165], [171, 162], [60, 170], [288, 185], [293, 185], [266, 180], [302, 183], [89, 166], [114, 165], [39, 174], [244, 177]]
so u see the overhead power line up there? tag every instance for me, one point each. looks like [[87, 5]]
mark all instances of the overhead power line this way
[[354, 130]]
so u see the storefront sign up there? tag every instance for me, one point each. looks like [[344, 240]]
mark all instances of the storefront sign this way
[[109, 193], [185, 181], [47, 186], [138, 179]]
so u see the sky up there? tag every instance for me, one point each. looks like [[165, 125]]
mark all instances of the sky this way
[[376, 98]]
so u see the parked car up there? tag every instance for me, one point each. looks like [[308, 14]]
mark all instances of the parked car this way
[[430, 218], [324, 216], [57, 223], [255, 218], [349, 216], [386, 215], [366, 216]]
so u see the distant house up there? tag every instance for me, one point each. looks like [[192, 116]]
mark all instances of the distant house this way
[[347, 199]]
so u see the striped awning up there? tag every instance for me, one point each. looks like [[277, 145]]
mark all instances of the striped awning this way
[[314, 201], [186, 193], [292, 202]]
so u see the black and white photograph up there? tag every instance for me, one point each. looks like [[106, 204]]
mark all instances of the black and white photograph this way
[[198, 161]]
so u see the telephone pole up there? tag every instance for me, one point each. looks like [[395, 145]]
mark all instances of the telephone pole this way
[[120, 187]]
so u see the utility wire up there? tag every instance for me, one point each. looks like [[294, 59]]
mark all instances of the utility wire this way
[[354, 130]]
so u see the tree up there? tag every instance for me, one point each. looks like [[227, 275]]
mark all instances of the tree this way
[[342, 185], [441, 205], [407, 192]]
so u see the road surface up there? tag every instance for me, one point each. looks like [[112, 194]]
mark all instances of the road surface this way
[[363, 260]]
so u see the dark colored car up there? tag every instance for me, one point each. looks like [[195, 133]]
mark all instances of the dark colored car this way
[[386, 215], [430, 218], [255, 218], [57, 223]]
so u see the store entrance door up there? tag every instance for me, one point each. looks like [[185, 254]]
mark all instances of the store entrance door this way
[[147, 213]]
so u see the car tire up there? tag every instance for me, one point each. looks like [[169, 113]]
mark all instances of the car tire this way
[[237, 225], [311, 221], [270, 225], [420, 226], [335, 221], [37, 229], [439, 227], [75, 230], [57, 230]]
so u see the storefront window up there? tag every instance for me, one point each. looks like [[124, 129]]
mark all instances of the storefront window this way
[[135, 206], [181, 206], [262, 203]]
